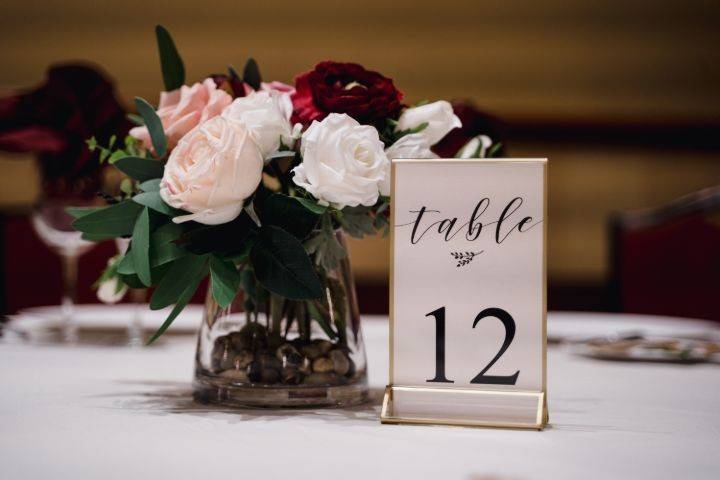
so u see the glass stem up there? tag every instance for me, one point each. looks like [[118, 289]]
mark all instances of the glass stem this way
[[69, 265], [135, 327]]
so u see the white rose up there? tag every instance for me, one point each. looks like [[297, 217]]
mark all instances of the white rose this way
[[110, 291], [266, 115], [438, 115], [408, 146], [343, 162], [212, 170]]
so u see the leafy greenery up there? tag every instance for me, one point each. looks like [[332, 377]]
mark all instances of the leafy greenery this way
[[154, 201], [182, 272], [140, 250], [311, 205], [321, 318], [282, 265], [154, 126], [113, 153], [289, 214], [182, 300], [117, 220], [226, 239], [251, 74], [494, 150], [225, 280], [173, 70], [325, 247], [150, 185], [356, 221], [139, 168], [77, 212]]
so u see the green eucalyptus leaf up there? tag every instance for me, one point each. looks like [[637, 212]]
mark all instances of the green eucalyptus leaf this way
[[162, 247], [183, 298], [131, 280], [325, 247], [290, 215], [78, 212], [141, 169], [494, 150], [251, 74], [173, 70], [356, 221], [225, 280], [152, 185], [227, 239], [93, 237], [140, 250], [311, 205], [321, 319], [114, 221], [182, 272], [154, 126], [126, 266], [153, 201], [282, 266]]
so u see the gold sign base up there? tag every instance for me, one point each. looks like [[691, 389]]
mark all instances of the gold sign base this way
[[464, 407]]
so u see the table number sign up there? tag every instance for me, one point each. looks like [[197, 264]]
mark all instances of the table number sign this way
[[467, 293]]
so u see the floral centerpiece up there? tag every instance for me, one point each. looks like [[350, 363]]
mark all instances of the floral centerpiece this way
[[255, 184]]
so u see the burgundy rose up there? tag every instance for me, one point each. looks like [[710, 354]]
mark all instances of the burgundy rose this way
[[334, 87], [474, 123], [75, 103]]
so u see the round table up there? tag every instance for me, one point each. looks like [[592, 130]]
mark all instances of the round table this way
[[120, 412]]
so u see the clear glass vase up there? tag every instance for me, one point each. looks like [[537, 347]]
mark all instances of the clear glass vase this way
[[264, 350]]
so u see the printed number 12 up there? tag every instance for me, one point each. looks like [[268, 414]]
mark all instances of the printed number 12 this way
[[509, 324]]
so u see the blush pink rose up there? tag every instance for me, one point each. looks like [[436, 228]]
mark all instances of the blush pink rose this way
[[214, 168], [183, 109]]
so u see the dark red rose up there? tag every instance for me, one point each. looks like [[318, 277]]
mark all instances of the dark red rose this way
[[334, 87], [75, 103], [231, 84], [474, 123]]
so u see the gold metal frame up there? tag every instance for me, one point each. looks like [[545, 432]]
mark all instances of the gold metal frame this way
[[386, 414]]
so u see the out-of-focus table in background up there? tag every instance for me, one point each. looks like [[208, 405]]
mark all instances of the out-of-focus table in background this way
[[118, 412]]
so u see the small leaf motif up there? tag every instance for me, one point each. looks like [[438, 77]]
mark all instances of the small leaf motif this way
[[464, 258]]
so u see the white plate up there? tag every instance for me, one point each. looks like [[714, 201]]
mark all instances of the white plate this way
[[580, 326], [98, 317]]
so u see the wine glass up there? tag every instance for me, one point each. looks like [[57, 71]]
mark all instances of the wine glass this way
[[54, 227]]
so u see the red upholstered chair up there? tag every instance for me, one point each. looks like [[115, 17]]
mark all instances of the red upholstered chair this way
[[666, 260]]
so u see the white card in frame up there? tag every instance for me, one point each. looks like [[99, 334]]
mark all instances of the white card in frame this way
[[468, 293]]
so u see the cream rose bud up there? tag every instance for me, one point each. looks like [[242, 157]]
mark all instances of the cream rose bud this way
[[438, 115], [413, 145], [110, 291], [212, 170], [343, 162], [266, 115]]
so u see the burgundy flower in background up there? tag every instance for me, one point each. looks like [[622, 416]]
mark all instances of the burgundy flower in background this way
[[334, 87], [74, 103], [474, 123]]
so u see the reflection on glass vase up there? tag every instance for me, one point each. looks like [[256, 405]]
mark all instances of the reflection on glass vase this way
[[264, 350]]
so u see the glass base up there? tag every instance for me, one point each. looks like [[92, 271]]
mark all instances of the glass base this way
[[218, 390]]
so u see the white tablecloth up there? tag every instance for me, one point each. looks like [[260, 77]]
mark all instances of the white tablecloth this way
[[116, 412]]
